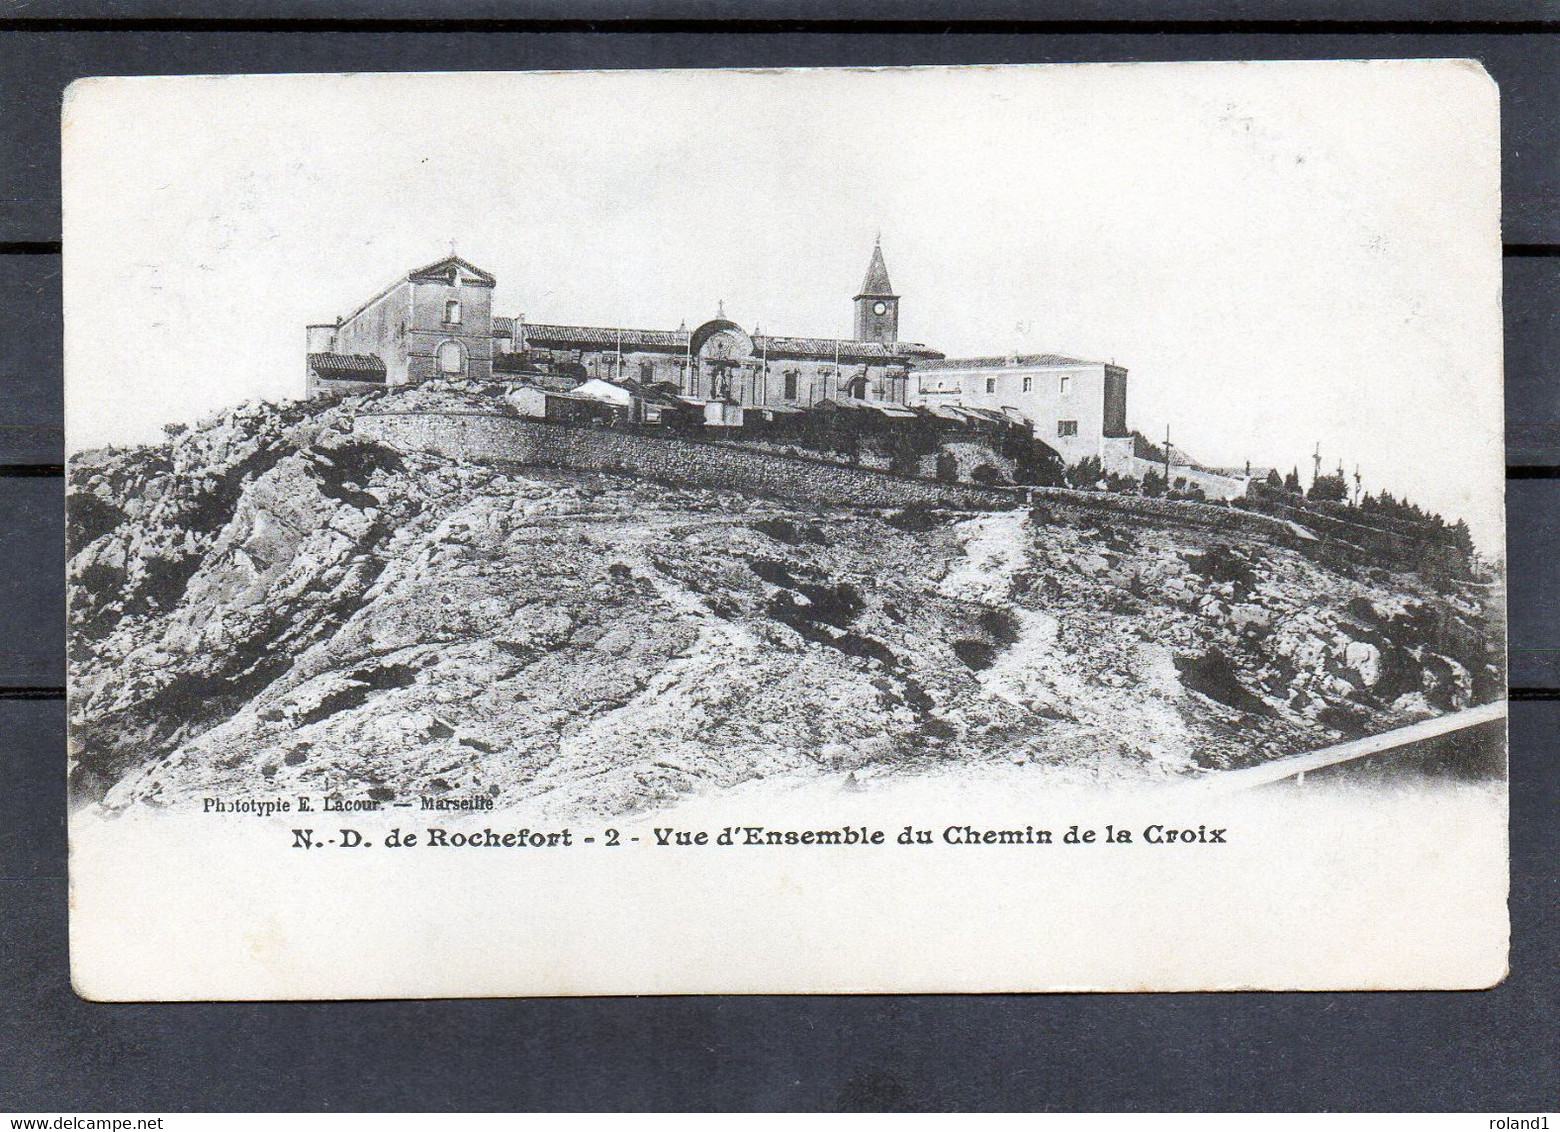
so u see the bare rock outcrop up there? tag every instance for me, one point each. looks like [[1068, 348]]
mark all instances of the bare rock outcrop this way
[[264, 603]]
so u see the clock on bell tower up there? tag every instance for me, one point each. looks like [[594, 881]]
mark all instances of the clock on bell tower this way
[[877, 307]]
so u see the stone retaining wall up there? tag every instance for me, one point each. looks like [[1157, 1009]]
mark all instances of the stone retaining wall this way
[[472, 435], [1178, 511], [667, 459]]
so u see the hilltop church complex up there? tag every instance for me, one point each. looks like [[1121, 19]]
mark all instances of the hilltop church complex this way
[[438, 321]]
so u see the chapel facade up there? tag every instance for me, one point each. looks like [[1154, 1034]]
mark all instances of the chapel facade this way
[[720, 361]]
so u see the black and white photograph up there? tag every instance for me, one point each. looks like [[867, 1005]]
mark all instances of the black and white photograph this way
[[921, 529]]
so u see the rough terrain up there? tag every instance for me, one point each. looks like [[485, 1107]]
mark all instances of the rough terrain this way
[[263, 604]]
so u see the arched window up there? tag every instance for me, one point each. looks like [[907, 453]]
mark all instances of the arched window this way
[[452, 311], [451, 358]]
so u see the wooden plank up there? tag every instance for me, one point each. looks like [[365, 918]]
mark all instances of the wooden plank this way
[[1294, 765], [1532, 359], [1533, 596], [31, 410], [32, 590]]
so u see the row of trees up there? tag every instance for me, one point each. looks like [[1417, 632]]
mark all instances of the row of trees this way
[[1324, 489], [1334, 489]]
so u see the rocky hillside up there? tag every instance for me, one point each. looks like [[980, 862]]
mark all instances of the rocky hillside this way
[[265, 604]]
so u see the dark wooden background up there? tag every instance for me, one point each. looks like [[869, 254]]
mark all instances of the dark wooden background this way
[[1494, 1051]]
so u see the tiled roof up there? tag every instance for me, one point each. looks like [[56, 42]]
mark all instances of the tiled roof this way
[[438, 269], [348, 367], [607, 338], [1007, 361], [503, 327], [885, 408], [603, 336], [849, 349], [967, 413]]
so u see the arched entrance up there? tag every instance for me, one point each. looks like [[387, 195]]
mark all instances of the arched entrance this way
[[723, 364], [451, 358]]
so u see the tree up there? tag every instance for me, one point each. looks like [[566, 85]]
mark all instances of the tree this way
[[1274, 480], [904, 454], [947, 467], [1085, 473], [1119, 483], [1328, 489], [1153, 483], [1292, 481], [1039, 464]]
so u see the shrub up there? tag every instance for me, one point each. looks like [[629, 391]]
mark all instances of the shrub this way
[[89, 517], [1035, 462], [1086, 473], [1220, 563], [1214, 676], [976, 655], [914, 518]]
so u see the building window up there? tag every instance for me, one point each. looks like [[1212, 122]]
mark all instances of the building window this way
[[452, 312], [1066, 428], [1029, 384], [450, 359], [790, 385], [646, 372], [991, 385], [1066, 379]]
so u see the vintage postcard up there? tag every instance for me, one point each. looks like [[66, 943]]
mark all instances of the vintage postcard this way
[[929, 529]]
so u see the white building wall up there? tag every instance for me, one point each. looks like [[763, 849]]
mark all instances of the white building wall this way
[[1051, 397]]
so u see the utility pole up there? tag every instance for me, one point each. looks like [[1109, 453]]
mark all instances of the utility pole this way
[[763, 389], [1316, 464], [1167, 459], [1356, 485]]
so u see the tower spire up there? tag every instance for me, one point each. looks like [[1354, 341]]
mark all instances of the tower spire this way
[[876, 285], [877, 307]]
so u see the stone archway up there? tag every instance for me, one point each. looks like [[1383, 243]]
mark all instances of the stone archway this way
[[722, 360]]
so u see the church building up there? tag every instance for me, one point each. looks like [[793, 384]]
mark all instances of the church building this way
[[720, 361], [438, 321], [434, 321]]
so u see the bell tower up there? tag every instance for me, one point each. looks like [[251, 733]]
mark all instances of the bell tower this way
[[877, 307]]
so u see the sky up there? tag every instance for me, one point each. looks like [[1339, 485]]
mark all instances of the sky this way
[[1281, 254]]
